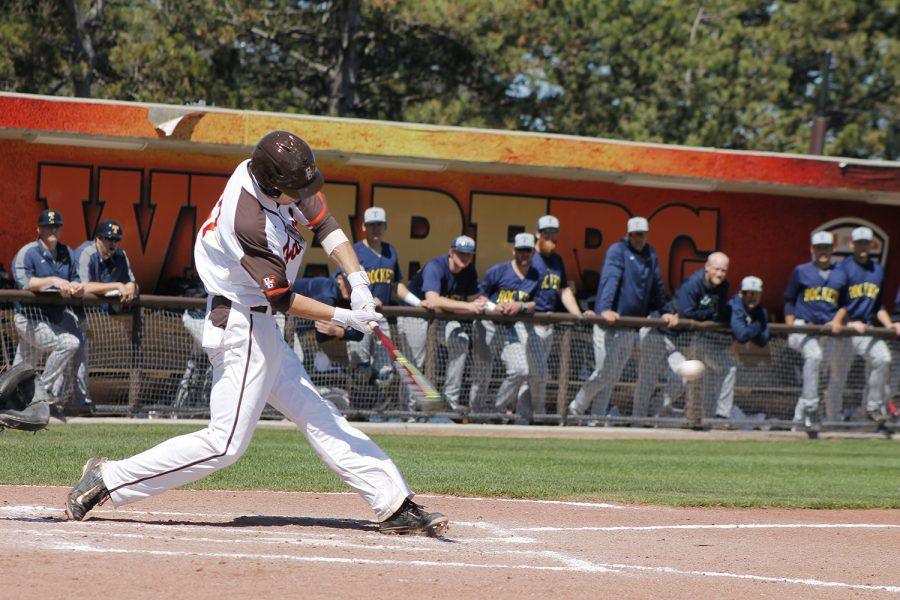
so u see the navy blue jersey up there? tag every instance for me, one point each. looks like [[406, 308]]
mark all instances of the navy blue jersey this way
[[859, 288], [91, 267], [326, 291], [630, 283], [501, 283], [748, 325], [553, 281], [810, 295], [34, 260], [699, 300], [436, 276], [323, 289], [383, 269]]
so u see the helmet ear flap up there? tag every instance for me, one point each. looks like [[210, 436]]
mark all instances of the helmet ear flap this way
[[262, 179]]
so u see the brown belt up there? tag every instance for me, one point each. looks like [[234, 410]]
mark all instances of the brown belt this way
[[222, 301]]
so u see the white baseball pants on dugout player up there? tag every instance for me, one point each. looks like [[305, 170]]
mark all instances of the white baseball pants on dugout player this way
[[253, 365]]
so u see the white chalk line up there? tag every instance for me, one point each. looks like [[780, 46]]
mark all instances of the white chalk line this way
[[37, 513], [720, 526], [18, 509], [167, 539], [573, 565], [56, 545], [279, 541]]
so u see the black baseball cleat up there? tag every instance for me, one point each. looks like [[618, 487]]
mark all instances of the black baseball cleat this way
[[411, 519], [89, 492]]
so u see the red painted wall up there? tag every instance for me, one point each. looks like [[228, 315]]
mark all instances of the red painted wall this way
[[765, 235]]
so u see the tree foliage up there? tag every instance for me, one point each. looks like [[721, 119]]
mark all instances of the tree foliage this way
[[724, 73]]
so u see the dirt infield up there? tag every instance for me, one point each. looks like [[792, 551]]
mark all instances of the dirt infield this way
[[204, 544]]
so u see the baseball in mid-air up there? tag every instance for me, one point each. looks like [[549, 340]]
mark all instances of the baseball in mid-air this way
[[691, 370]]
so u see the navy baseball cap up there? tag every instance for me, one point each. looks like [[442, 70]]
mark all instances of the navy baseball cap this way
[[50, 217], [463, 243], [109, 229]]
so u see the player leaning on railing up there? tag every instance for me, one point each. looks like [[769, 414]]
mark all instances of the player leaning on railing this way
[[247, 252], [858, 284]]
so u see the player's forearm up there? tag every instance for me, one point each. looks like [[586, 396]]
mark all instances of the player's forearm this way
[[447, 304], [39, 284], [344, 256], [839, 316], [884, 318], [96, 287], [569, 301], [308, 308]]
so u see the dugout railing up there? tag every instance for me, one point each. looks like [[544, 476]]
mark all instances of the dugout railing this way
[[146, 360]]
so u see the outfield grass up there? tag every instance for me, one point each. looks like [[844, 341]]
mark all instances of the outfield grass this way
[[789, 473]]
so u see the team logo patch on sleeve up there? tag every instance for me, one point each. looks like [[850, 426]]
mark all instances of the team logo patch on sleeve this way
[[269, 282]]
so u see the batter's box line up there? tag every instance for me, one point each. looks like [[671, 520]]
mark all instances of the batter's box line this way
[[102, 526], [280, 541], [580, 566], [32, 511]]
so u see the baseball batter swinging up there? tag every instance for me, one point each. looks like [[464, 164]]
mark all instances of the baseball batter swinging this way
[[247, 252]]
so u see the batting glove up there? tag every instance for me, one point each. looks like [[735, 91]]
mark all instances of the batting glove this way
[[357, 319], [360, 294]]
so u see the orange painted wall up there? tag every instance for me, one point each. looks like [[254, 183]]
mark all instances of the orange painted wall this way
[[765, 235]]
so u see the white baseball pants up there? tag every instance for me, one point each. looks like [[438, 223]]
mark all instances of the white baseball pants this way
[[253, 365]]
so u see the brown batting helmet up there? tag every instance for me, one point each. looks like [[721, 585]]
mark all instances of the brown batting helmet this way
[[283, 162]]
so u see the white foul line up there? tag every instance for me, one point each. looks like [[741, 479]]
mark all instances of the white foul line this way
[[722, 526]]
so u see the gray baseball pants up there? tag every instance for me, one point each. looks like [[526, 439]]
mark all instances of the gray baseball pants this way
[[455, 339], [65, 342], [813, 349], [612, 349], [511, 342], [537, 346], [878, 366], [717, 384]]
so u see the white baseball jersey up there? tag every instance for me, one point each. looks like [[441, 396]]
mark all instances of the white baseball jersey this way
[[249, 249]]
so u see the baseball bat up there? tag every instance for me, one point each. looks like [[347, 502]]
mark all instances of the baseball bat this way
[[428, 398]]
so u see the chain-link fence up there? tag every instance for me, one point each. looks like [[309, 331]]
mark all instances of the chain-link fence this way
[[148, 359]]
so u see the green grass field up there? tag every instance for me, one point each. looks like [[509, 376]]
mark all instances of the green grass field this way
[[790, 473]]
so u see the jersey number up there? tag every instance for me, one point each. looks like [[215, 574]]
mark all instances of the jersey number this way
[[291, 250]]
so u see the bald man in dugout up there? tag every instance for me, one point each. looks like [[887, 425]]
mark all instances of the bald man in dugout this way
[[701, 297]]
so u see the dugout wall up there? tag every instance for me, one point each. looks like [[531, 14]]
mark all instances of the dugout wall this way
[[159, 169]]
